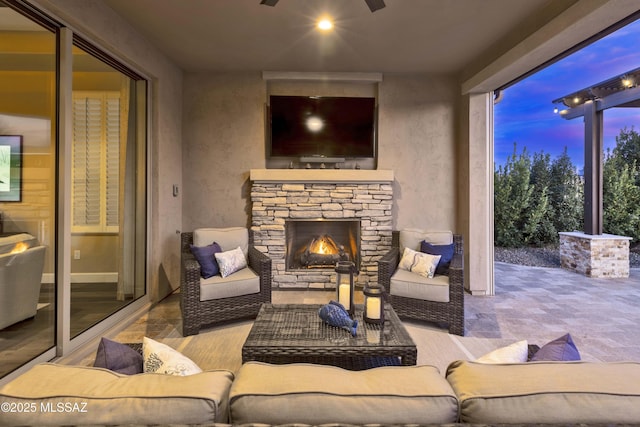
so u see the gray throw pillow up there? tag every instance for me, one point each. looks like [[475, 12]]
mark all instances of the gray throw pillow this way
[[561, 349], [118, 357]]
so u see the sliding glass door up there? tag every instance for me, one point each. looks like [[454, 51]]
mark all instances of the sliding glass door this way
[[73, 176], [104, 191]]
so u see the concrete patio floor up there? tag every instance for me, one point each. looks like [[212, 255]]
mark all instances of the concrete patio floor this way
[[539, 304]]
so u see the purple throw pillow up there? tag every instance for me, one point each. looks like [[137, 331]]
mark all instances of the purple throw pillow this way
[[561, 349], [118, 357], [445, 252], [206, 259]]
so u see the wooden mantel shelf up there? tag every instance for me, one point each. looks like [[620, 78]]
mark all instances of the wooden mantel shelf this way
[[321, 175]]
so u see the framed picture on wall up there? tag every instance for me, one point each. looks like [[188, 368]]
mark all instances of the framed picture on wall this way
[[10, 168]]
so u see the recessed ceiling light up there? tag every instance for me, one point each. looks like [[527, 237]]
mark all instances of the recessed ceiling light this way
[[325, 24]]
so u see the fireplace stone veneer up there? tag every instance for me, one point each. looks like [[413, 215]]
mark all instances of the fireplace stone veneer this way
[[279, 195]]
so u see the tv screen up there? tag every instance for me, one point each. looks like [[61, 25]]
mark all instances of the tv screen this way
[[303, 126]]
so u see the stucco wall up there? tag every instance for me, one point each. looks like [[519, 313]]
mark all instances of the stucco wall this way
[[223, 134], [224, 138], [102, 26], [417, 128]]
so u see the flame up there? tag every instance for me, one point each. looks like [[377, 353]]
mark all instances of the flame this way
[[19, 247], [322, 246]]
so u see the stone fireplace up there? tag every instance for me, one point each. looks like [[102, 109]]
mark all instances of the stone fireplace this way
[[350, 210]]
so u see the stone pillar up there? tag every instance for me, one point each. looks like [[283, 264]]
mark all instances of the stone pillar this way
[[599, 255]]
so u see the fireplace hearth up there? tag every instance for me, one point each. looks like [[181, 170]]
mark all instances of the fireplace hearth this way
[[321, 243]]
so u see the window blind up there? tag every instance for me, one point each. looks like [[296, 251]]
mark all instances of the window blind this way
[[96, 161]]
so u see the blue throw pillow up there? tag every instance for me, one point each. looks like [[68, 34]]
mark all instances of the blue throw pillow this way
[[118, 357], [561, 349], [445, 252], [206, 259]]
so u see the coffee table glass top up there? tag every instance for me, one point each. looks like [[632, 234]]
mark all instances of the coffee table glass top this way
[[288, 333]]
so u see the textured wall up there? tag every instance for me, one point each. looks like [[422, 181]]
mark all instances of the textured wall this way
[[417, 128], [224, 138]]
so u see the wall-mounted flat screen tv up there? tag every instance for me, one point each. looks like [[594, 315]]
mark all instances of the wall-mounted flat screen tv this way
[[305, 126]]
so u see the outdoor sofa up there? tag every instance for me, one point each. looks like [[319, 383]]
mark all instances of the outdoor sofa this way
[[560, 393]]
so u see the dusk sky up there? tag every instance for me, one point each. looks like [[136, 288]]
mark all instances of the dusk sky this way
[[525, 114]]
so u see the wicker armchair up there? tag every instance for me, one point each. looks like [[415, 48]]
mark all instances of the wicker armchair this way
[[197, 313], [451, 312]]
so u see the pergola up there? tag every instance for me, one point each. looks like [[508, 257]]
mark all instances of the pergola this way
[[590, 103]]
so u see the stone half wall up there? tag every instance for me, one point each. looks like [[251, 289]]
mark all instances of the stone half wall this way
[[602, 255], [273, 203]]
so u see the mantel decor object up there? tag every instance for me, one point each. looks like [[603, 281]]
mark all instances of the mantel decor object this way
[[344, 285], [373, 303]]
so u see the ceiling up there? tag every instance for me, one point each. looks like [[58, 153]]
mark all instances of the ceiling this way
[[440, 36]]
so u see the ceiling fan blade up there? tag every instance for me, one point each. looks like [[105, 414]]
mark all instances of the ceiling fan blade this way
[[269, 2], [375, 4]]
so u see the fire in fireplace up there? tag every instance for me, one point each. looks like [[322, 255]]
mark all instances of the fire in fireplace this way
[[321, 243]]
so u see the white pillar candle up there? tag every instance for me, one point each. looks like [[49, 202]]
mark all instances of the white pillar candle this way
[[344, 297], [373, 308]]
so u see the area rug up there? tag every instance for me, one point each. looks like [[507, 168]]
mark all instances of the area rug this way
[[221, 347]]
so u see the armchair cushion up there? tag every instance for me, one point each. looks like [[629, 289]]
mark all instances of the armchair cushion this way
[[419, 263], [412, 238], [411, 285], [231, 261], [228, 238], [206, 258], [445, 252], [242, 282]]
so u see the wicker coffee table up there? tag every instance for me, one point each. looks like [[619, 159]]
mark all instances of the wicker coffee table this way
[[294, 333]]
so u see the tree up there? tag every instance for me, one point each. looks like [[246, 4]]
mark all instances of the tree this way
[[539, 228], [518, 207], [566, 194], [627, 149], [621, 197]]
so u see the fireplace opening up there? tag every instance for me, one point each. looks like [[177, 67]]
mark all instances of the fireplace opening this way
[[321, 243]]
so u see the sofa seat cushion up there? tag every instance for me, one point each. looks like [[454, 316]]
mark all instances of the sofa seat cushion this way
[[411, 285], [91, 395], [243, 282], [316, 394], [547, 392]]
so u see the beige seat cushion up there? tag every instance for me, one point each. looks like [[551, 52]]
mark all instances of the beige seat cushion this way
[[547, 392], [242, 282], [412, 237], [228, 238], [412, 285], [81, 395], [316, 394]]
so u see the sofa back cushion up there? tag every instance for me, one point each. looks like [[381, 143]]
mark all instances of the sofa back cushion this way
[[82, 395], [547, 392], [228, 238], [412, 238], [316, 394]]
